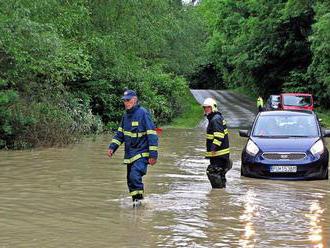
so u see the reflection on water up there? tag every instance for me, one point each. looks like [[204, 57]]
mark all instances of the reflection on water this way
[[250, 211], [315, 214], [76, 197]]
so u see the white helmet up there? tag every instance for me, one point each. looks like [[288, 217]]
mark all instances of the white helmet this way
[[210, 102]]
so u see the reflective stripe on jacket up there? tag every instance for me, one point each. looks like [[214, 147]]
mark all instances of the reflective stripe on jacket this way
[[137, 131], [217, 142]]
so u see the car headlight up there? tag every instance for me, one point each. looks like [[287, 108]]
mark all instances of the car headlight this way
[[252, 148], [317, 148]]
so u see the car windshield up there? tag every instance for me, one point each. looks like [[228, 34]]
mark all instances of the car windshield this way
[[300, 101], [284, 125], [275, 99]]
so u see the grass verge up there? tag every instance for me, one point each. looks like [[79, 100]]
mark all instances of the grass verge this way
[[246, 92], [191, 116], [324, 114]]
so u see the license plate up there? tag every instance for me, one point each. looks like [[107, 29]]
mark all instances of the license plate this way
[[283, 168]]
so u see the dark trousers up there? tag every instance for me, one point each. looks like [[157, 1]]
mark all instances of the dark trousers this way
[[217, 170], [135, 172]]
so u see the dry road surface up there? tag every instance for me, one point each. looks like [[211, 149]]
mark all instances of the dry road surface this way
[[238, 110]]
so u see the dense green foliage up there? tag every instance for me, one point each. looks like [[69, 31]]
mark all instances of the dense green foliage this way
[[191, 116], [65, 64], [319, 70], [270, 46]]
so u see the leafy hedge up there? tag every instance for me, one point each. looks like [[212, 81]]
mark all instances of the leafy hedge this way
[[65, 64], [270, 46]]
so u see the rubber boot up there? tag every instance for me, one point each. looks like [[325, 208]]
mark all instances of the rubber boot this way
[[137, 200], [216, 176]]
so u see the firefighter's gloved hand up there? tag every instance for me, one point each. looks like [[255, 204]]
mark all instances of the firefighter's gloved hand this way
[[110, 153], [152, 161]]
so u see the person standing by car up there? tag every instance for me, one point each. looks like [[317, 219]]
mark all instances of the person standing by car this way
[[137, 131], [217, 145], [260, 104]]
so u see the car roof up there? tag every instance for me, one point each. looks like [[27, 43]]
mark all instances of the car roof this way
[[296, 94], [287, 113]]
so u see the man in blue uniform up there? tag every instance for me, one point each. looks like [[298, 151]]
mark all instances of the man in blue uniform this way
[[217, 145], [137, 131]]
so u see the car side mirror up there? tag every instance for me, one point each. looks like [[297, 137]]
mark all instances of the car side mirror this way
[[244, 133], [326, 133]]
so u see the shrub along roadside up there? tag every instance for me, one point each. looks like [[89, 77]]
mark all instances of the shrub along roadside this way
[[191, 116], [64, 65], [31, 124], [269, 46], [325, 116], [247, 92]]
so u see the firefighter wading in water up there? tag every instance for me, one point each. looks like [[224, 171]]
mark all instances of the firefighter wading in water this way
[[137, 131], [217, 145]]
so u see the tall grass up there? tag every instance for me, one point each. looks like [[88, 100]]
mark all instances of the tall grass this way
[[191, 116]]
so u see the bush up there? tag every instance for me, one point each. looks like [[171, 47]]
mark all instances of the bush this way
[[67, 64], [46, 123]]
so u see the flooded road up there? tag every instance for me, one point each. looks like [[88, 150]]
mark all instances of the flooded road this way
[[77, 197], [238, 110]]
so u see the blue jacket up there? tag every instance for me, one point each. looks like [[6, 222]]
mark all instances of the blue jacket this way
[[138, 133]]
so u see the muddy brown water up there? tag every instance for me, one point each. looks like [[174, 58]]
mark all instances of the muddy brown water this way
[[77, 197]]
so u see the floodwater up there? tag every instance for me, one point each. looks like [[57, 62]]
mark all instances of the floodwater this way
[[77, 197]]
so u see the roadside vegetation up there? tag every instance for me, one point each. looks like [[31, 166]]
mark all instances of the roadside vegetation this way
[[324, 115], [191, 116], [252, 95], [65, 64], [267, 46]]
